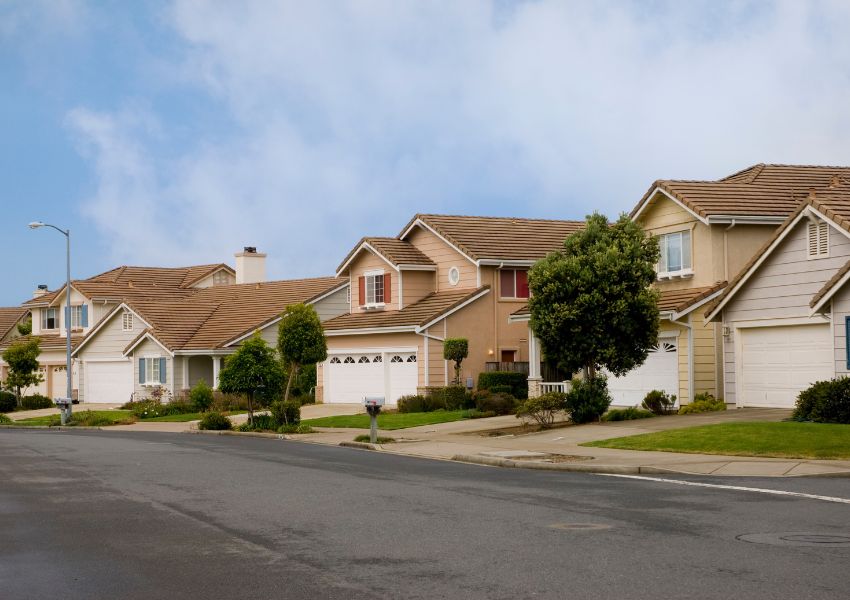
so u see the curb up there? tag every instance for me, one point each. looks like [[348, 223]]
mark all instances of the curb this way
[[541, 466], [258, 434], [360, 445], [54, 427]]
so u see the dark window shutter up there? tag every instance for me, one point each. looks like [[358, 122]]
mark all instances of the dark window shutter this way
[[162, 370], [388, 295], [85, 316], [847, 337], [361, 300], [142, 371]]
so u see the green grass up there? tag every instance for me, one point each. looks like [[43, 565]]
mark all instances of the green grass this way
[[379, 440], [95, 418], [390, 421], [196, 416], [779, 440]]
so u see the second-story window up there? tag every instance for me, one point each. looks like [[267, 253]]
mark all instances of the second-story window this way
[[48, 319], [127, 321], [513, 283], [675, 254], [374, 288], [76, 317]]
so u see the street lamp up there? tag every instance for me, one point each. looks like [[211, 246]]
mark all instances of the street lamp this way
[[66, 411]]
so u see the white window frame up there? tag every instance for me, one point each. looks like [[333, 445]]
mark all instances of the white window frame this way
[[221, 277], [685, 251], [127, 321], [817, 239], [45, 318], [371, 277], [76, 316], [150, 361], [502, 295]]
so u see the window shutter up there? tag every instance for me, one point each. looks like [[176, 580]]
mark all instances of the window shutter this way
[[85, 317], [813, 239], [361, 300], [823, 239], [162, 370], [522, 284], [142, 371], [388, 296]]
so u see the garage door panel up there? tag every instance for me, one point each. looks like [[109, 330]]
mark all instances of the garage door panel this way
[[351, 377], [108, 382], [777, 363], [660, 371]]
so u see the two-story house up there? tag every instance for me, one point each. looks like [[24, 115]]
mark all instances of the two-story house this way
[[442, 276]]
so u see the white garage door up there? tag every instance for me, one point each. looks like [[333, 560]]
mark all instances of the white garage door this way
[[351, 377], [659, 372], [777, 363], [108, 382]]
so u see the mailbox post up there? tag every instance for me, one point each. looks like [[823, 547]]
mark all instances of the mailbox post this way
[[373, 406]]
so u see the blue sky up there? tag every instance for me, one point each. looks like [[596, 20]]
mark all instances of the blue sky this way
[[176, 132]]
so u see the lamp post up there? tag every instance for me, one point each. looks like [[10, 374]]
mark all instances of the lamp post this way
[[66, 411]]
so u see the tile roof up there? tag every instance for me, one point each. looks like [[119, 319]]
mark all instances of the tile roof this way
[[416, 315], [396, 251], [679, 300], [500, 238], [212, 317], [829, 284], [761, 190], [48, 341], [521, 312], [833, 203], [9, 317]]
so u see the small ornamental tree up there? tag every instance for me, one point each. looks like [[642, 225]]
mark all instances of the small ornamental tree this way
[[253, 368], [592, 304], [25, 327], [456, 349], [22, 358], [300, 340]]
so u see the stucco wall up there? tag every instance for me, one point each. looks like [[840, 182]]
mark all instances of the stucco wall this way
[[416, 285], [368, 261], [445, 257]]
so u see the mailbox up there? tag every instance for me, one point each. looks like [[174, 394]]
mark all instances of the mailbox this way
[[62, 403], [373, 401]]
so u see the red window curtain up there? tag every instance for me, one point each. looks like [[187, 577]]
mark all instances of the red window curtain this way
[[388, 295], [361, 300], [507, 286], [522, 284]]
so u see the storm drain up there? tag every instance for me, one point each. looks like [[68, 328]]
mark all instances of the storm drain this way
[[808, 539]]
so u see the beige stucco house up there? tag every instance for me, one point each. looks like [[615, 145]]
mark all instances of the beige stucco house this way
[[442, 276], [784, 319]]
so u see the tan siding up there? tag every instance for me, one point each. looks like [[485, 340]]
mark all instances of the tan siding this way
[[367, 261], [417, 285], [664, 213], [475, 323], [705, 372], [445, 258]]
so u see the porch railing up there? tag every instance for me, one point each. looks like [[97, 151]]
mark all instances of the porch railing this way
[[554, 386], [512, 367]]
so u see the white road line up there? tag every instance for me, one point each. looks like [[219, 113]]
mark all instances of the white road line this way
[[736, 488]]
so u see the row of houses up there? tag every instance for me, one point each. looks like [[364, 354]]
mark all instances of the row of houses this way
[[753, 306]]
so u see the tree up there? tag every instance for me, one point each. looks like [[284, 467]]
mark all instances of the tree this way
[[252, 369], [456, 349], [300, 340], [25, 327], [592, 304], [22, 358]]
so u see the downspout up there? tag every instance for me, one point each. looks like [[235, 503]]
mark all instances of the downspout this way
[[690, 329], [726, 251], [496, 311], [427, 336]]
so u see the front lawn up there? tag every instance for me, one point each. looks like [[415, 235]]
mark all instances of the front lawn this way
[[92, 418], [390, 421], [183, 418], [779, 440]]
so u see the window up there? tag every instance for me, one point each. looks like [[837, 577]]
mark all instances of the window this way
[[396, 359], [818, 239], [76, 317], [348, 360], [221, 277], [127, 321], [377, 359], [48, 319], [335, 360], [374, 289], [454, 276], [411, 358], [152, 370], [363, 359], [675, 254], [513, 283]]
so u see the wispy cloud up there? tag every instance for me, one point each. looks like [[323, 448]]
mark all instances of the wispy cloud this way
[[346, 118]]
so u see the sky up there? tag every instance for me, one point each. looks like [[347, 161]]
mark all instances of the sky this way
[[169, 133]]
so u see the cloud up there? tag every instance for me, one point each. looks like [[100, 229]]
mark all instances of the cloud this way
[[345, 118]]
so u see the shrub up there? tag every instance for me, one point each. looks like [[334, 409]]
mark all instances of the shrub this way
[[627, 414], [8, 401], [177, 407], [703, 402], [261, 423], [201, 396], [228, 402], [303, 399], [451, 397], [499, 404], [588, 399], [285, 413], [543, 408], [35, 402], [380, 440], [478, 414], [659, 402], [825, 402], [215, 421], [90, 418], [4, 420], [415, 403], [517, 381], [299, 428], [146, 409], [501, 389]]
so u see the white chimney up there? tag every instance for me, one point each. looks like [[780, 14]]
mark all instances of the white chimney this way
[[40, 291], [250, 266]]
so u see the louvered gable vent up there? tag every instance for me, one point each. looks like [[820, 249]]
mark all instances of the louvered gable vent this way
[[818, 246]]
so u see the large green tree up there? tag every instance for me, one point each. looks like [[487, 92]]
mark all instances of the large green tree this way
[[22, 358], [253, 369], [592, 304], [300, 340]]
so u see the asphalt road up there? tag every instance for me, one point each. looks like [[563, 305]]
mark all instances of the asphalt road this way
[[127, 515]]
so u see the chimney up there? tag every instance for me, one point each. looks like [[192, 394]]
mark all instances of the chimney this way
[[250, 266], [40, 291]]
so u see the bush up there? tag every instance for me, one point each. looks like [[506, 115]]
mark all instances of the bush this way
[[543, 408], [35, 402], [8, 402], [518, 382], [451, 397], [261, 423], [499, 404], [825, 402], [299, 428], [4, 420], [380, 440], [228, 402], [659, 402], [90, 418], [285, 413], [146, 409], [588, 399], [416, 403], [215, 421], [201, 396], [477, 414], [627, 414], [703, 402]]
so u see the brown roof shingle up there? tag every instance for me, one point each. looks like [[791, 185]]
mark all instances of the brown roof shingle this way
[[396, 251], [415, 315], [680, 300], [9, 317]]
